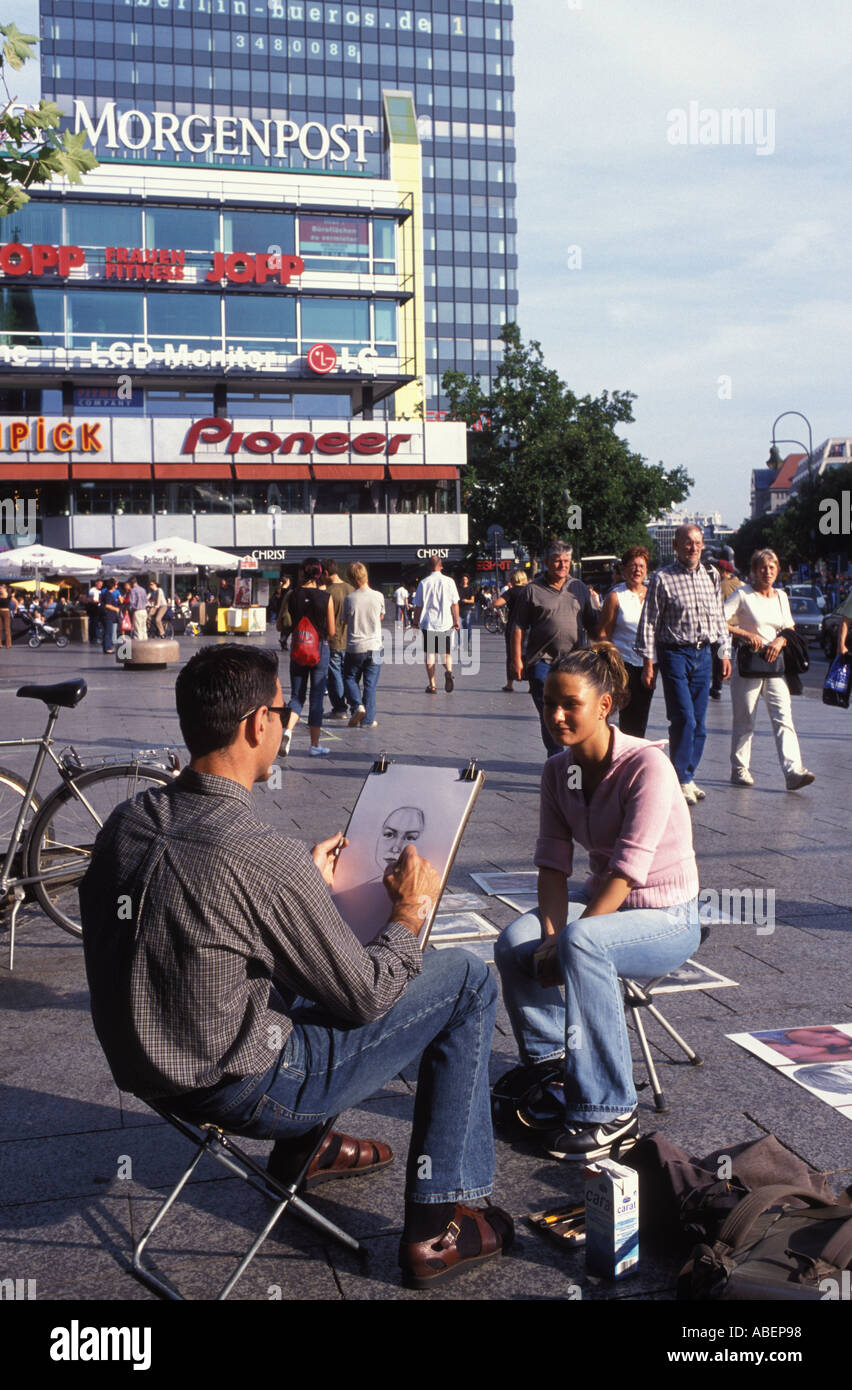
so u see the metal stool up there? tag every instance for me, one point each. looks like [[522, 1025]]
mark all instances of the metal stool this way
[[210, 1139], [641, 996]]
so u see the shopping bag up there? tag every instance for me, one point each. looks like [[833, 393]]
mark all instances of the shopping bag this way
[[838, 681], [126, 623]]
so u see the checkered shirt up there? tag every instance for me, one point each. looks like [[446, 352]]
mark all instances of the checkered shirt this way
[[683, 607], [192, 909]]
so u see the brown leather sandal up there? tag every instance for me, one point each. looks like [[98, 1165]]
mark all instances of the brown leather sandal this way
[[425, 1262], [355, 1159]]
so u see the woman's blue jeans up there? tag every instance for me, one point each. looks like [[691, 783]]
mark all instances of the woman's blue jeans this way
[[364, 666], [318, 676], [445, 1019], [587, 1026], [110, 631]]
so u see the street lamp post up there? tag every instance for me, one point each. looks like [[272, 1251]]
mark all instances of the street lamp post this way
[[775, 457]]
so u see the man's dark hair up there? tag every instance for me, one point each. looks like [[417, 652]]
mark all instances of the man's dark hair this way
[[311, 569], [216, 688], [330, 568]]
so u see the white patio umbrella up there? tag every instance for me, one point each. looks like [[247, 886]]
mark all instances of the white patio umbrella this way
[[172, 555], [36, 560]]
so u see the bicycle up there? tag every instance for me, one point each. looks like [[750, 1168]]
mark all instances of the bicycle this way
[[167, 626], [495, 620], [47, 858]]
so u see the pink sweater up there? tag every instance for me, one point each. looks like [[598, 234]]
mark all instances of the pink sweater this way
[[637, 824]]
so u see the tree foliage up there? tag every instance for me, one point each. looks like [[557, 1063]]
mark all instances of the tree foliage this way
[[803, 530], [537, 451], [32, 148]]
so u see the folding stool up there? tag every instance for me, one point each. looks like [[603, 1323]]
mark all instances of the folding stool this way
[[210, 1139]]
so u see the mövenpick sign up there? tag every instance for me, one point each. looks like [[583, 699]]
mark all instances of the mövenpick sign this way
[[197, 134]]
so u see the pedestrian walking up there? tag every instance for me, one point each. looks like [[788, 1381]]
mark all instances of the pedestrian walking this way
[[111, 604], [363, 611], [312, 616], [5, 616], [158, 605], [94, 612], [137, 603], [401, 597], [730, 581], [283, 621], [622, 609], [436, 613], [338, 589], [555, 612], [758, 615], [682, 615], [517, 581], [467, 603]]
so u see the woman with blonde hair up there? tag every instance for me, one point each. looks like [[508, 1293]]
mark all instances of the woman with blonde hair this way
[[636, 915], [517, 580], [758, 615], [363, 611]]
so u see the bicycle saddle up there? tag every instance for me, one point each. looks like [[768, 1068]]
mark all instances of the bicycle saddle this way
[[66, 693]]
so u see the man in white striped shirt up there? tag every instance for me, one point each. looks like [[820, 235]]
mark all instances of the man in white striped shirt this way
[[683, 614]]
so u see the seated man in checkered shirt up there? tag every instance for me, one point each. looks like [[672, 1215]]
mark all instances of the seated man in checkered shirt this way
[[226, 986]]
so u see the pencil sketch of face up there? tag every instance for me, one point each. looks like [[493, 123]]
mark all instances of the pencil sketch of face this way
[[401, 827]]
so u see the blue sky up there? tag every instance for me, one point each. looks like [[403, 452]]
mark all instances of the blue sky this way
[[699, 262]]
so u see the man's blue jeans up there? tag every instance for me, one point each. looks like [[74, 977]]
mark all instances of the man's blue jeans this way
[[335, 682], [445, 1018], [588, 1027], [537, 675], [110, 631], [366, 666], [299, 677], [686, 673]]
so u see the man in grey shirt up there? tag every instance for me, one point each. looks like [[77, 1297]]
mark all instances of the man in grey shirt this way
[[225, 984], [138, 604], [555, 611]]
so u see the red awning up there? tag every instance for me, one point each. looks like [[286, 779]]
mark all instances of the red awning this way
[[111, 470], [33, 472], [421, 472], [270, 472], [186, 472], [349, 472]]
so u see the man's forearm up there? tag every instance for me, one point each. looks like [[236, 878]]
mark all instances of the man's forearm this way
[[517, 646]]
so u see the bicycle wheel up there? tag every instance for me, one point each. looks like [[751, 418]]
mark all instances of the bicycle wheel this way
[[63, 833], [168, 630]]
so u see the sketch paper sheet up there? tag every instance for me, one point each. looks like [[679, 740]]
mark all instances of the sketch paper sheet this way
[[427, 807], [817, 1056], [692, 975], [460, 926], [496, 883]]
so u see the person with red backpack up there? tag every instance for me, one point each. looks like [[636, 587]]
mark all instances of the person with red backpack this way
[[312, 614]]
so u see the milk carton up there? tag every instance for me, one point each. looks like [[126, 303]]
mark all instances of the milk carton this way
[[612, 1219]]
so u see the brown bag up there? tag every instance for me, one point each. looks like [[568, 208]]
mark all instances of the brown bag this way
[[684, 1199]]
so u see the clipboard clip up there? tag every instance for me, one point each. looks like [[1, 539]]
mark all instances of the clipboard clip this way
[[382, 763], [470, 773]]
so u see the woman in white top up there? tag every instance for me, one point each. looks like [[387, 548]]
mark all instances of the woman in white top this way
[[620, 616], [757, 613]]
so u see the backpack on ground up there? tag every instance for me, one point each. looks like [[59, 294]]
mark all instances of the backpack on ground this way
[[305, 646], [768, 1249], [684, 1199]]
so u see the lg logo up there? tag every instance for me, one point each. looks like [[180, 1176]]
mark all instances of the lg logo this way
[[322, 359]]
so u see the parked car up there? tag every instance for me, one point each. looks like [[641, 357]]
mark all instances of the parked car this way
[[809, 591], [807, 618], [828, 632]]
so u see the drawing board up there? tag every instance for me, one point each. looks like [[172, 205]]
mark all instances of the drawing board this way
[[427, 807], [817, 1056]]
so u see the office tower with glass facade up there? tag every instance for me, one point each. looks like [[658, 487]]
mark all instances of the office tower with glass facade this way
[[299, 86]]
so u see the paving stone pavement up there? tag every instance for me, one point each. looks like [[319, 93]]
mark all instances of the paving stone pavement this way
[[68, 1217]]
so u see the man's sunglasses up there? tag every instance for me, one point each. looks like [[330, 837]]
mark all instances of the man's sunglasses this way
[[280, 710]]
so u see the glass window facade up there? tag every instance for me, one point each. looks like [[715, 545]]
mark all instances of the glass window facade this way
[[328, 63]]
